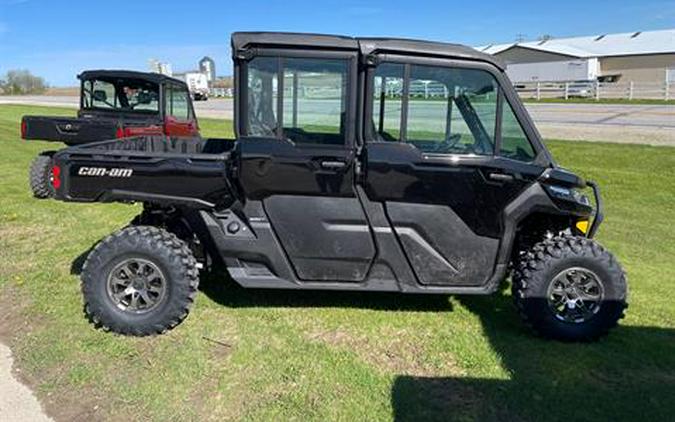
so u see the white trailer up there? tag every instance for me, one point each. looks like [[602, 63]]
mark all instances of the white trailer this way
[[198, 85], [559, 71]]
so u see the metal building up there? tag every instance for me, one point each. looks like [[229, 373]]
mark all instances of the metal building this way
[[640, 57]]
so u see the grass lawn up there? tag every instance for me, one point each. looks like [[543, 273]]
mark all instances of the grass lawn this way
[[277, 355]]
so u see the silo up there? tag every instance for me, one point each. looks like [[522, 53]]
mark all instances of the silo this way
[[208, 67]]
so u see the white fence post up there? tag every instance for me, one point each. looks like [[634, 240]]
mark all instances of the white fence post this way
[[538, 91], [630, 90], [667, 91], [567, 90], [597, 90]]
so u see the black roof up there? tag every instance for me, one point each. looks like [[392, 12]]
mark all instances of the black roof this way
[[243, 40], [128, 74]]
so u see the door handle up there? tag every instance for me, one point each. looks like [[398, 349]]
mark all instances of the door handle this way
[[333, 165], [501, 177]]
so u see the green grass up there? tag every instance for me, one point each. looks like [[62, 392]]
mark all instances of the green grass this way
[[601, 101], [278, 355]]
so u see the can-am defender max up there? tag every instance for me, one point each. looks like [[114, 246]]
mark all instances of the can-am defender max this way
[[359, 164]]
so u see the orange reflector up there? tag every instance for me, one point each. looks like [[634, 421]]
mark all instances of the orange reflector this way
[[582, 225]]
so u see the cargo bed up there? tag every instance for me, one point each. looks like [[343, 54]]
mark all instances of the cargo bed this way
[[191, 172]]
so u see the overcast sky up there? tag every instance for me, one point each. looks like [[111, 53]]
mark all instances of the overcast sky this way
[[58, 39]]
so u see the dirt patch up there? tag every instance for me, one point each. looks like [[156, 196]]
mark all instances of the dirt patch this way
[[392, 352], [12, 318]]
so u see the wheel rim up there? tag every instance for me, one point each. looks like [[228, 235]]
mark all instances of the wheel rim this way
[[575, 295], [136, 286]]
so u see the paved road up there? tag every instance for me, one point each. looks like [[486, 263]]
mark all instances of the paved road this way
[[647, 124], [17, 402], [644, 124]]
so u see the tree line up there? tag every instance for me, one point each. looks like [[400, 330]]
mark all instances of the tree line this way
[[22, 82]]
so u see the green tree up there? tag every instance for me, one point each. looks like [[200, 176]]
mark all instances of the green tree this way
[[22, 82]]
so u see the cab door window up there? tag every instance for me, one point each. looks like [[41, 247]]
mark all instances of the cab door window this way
[[438, 109], [446, 110], [315, 97], [303, 100], [514, 142], [178, 103], [388, 101], [262, 90]]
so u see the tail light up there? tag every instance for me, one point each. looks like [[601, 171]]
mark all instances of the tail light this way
[[56, 176], [119, 133], [24, 128]]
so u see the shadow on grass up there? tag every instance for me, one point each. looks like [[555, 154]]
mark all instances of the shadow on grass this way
[[629, 375], [77, 263], [220, 288]]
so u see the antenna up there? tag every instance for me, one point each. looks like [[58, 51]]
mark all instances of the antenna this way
[[520, 37]]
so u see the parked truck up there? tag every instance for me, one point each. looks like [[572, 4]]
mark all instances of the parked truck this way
[[334, 182], [113, 104], [198, 84]]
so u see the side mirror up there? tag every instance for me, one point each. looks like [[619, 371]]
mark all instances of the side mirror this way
[[100, 95]]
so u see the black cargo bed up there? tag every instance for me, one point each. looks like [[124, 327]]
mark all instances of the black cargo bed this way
[[175, 171]]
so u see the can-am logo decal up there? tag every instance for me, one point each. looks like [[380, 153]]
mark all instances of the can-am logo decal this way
[[102, 171]]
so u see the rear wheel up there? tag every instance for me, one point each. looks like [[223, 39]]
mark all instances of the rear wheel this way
[[40, 177], [570, 288], [139, 281]]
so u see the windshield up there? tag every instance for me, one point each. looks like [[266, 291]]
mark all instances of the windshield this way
[[120, 95]]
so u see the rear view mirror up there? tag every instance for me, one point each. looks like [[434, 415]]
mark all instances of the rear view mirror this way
[[100, 95]]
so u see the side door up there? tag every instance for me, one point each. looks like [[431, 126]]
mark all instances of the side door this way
[[297, 158], [439, 161], [179, 117]]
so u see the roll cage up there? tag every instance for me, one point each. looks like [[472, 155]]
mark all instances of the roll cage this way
[[152, 87]]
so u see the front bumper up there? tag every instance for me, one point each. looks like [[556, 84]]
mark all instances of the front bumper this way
[[599, 212]]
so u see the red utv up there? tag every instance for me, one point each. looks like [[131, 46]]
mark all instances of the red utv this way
[[113, 104]]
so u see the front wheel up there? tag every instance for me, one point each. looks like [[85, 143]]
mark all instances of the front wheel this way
[[570, 288], [139, 281]]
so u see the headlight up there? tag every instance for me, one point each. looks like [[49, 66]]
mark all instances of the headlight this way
[[568, 194]]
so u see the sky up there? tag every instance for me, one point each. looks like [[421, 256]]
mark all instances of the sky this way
[[58, 39]]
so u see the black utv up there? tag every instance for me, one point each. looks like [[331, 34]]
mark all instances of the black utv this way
[[113, 104], [359, 164]]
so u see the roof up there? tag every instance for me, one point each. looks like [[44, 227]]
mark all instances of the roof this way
[[127, 74], [425, 48], [607, 45], [243, 40]]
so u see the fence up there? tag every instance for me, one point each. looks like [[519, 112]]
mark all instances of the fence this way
[[222, 92], [597, 90], [541, 90]]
